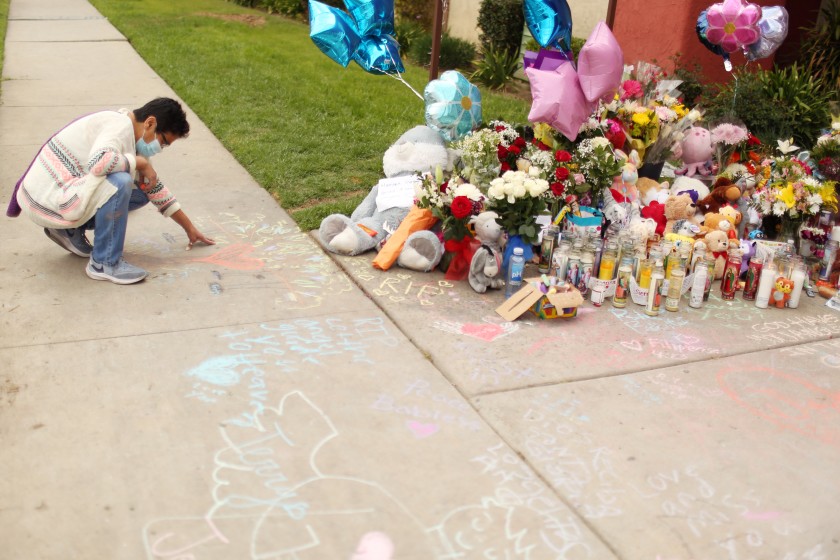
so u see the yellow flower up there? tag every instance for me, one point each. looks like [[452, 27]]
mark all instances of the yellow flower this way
[[829, 195], [786, 195], [641, 119], [680, 110], [543, 133]]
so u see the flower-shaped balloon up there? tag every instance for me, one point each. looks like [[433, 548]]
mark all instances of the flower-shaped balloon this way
[[733, 24], [453, 105]]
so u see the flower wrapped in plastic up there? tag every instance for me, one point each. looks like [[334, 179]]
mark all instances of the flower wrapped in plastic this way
[[518, 198]]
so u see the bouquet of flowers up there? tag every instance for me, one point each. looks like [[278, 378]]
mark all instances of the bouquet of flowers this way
[[818, 236], [728, 139], [827, 153], [518, 197], [452, 202], [786, 188], [487, 152], [599, 165]]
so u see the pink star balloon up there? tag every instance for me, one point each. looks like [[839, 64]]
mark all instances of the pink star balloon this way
[[733, 24]]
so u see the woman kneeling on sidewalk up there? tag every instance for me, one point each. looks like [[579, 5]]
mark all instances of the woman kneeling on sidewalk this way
[[92, 173]]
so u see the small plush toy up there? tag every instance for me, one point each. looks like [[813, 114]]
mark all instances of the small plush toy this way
[[679, 207], [717, 244], [734, 217], [621, 200], [656, 212], [697, 151], [650, 191], [723, 192], [418, 150], [486, 264], [781, 292]]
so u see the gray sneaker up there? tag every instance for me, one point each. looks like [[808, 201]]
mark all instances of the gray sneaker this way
[[120, 273], [73, 240]]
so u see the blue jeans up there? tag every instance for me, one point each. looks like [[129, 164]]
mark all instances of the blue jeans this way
[[110, 222]]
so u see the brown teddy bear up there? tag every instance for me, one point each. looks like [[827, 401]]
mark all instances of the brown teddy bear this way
[[679, 208], [717, 221], [717, 244], [723, 192]]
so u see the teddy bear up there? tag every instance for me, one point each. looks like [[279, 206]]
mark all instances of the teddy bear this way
[[723, 192], [486, 264], [679, 208], [650, 191], [697, 152], [418, 150], [715, 221], [716, 243]]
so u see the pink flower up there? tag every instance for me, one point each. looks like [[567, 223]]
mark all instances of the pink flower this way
[[728, 133], [579, 178], [631, 90], [733, 24]]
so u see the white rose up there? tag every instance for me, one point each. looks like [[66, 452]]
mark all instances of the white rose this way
[[519, 190], [496, 192], [599, 142]]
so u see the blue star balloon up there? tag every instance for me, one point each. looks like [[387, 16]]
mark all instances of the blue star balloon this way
[[373, 17], [453, 105], [333, 32], [379, 55], [550, 23]]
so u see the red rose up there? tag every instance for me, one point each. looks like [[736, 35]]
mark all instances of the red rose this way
[[505, 166], [562, 173], [461, 207], [499, 128], [444, 186], [515, 150], [502, 152], [520, 142], [557, 189], [543, 147], [753, 141], [563, 156]]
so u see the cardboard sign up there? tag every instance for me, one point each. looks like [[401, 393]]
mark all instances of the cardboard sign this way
[[398, 192], [546, 306]]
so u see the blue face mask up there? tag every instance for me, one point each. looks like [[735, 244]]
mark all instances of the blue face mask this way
[[148, 149]]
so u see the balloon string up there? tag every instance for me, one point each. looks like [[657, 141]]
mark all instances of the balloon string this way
[[735, 94], [399, 78]]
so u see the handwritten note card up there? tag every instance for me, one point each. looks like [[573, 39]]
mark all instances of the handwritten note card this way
[[398, 192]]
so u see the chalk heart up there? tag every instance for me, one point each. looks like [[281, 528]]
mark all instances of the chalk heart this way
[[235, 257], [634, 345], [421, 430], [374, 546], [485, 331]]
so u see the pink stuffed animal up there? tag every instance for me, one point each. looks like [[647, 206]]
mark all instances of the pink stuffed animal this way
[[697, 151]]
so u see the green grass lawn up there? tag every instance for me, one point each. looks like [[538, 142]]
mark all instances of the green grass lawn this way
[[309, 131], [4, 18]]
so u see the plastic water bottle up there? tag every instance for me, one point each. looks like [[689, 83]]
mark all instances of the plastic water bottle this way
[[513, 281]]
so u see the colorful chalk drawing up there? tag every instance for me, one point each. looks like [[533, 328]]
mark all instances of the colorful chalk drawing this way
[[611, 490], [292, 270], [276, 491], [490, 329], [670, 346], [790, 402]]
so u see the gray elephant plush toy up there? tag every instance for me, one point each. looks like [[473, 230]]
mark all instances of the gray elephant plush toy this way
[[418, 150]]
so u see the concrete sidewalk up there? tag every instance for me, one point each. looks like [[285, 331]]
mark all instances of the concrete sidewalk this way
[[262, 400]]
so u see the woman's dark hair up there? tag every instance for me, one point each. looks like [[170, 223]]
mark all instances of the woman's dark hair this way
[[169, 114]]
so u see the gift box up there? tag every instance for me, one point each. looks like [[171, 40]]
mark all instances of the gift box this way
[[558, 305]]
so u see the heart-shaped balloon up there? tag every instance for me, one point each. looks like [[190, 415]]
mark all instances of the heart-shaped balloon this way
[[333, 32], [733, 24], [773, 26], [550, 22]]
